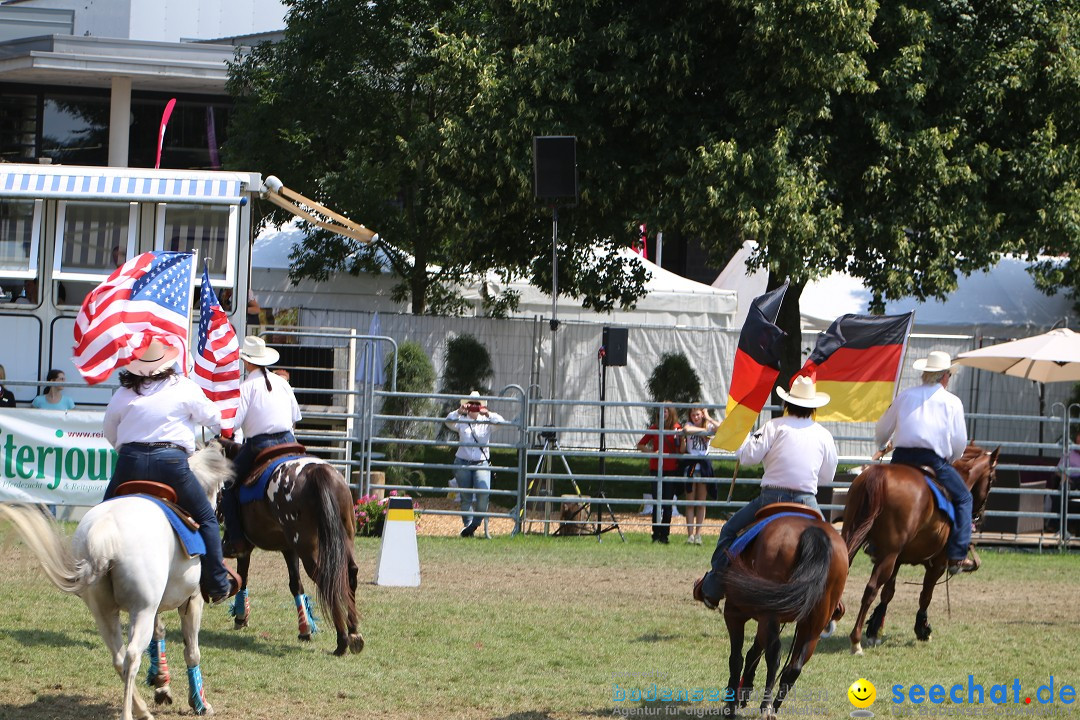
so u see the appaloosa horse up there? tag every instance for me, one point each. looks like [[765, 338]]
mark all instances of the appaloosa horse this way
[[891, 510], [126, 556], [794, 570], [306, 514]]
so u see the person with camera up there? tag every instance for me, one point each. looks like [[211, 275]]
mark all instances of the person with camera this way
[[472, 422]]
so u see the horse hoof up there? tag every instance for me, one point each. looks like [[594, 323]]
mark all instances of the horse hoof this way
[[829, 630], [856, 649], [304, 638], [240, 623], [163, 695], [873, 641], [356, 643]]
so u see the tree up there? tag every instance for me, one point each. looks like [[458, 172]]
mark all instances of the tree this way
[[468, 367], [674, 380], [369, 108]]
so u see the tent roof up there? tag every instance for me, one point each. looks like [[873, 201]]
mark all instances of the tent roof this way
[[1002, 297]]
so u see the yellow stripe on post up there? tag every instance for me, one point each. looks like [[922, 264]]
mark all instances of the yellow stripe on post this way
[[400, 514]]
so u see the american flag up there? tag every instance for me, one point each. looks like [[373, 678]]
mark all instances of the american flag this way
[[217, 360], [145, 298]]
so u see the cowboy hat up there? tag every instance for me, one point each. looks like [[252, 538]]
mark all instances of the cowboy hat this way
[[803, 393], [255, 352], [936, 361], [473, 399], [156, 356]]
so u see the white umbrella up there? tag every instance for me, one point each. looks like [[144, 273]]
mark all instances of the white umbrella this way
[[1051, 357]]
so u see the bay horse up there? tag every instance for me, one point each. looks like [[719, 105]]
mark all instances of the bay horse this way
[[125, 556], [891, 510], [793, 571], [306, 514]]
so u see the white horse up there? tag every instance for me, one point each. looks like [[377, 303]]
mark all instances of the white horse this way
[[126, 556]]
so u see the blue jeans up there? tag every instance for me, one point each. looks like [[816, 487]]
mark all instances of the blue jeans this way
[[472, 475], [713, 585], [960, 537], [230, 505], [170, 466]]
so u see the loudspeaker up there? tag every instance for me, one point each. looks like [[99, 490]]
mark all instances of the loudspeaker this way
[[615, 341], [555, 167]]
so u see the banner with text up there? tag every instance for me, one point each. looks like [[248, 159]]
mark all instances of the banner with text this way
[[53, 456]]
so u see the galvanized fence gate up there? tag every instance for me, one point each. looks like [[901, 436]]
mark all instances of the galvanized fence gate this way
[[1033, 502]]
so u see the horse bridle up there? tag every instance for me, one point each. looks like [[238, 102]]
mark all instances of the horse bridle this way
[[991, 477]]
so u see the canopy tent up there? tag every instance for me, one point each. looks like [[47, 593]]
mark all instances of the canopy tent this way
[[1001, 302], [272, 287], [672, 300]]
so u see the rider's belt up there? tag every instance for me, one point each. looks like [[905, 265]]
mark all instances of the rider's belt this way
[[157, 446]]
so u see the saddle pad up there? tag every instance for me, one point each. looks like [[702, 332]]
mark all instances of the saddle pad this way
[[257, 490], [752, 532], [267, 455], [190, 539], [942, 502]]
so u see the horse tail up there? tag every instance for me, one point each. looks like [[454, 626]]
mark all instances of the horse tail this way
[[41, 534], [866, 499], [332, 580], [803, 590]]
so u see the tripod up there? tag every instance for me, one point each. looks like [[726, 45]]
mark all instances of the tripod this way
[[550, 449]]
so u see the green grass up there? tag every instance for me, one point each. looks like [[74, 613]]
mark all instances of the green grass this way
[[535, 628]]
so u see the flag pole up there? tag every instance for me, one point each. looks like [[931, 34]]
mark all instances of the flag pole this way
[[734, 475], [189, 360]]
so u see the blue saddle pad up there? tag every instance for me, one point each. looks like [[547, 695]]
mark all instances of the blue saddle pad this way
[[942, 502], [190, 539], [257, 490], [752, 532]]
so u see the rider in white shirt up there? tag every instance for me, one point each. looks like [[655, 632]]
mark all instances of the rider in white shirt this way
[[150, 422], [797, 453], [267, 414], [926, 424]]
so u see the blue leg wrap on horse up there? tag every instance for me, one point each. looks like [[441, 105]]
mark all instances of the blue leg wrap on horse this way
[[304, 602], [156, 651], [196, 696], [238, 608]]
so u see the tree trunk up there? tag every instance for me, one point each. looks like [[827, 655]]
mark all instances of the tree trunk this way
[[789, 320]]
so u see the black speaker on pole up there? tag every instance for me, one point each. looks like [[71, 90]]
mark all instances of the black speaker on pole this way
[[615, 341], [555, 167]]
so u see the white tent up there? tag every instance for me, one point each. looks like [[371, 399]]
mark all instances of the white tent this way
[[1001, 302], [273, 289], [671, 300]]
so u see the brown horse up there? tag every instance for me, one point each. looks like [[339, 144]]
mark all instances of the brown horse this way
[[306, 514], [890, 508], [793, 571]]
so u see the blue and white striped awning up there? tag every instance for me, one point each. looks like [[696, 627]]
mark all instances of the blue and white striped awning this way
[[124, 184]]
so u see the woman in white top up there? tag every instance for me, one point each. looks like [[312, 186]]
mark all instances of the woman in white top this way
[[699, 428], [472, 422], [267, 414], [150, 422], [797, 453]]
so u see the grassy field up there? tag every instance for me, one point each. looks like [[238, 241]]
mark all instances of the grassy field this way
[[535, 628]]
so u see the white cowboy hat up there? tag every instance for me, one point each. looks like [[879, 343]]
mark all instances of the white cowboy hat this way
[[156, 356], [255, 352], [474, 397], [936, 361], [803, 393]]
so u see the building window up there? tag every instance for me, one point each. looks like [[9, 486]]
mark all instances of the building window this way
[[75, 130], [93, 238], [20, 223], [210, 229]]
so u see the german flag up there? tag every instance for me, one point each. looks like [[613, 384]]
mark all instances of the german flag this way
[[857, 362], [754, 373]]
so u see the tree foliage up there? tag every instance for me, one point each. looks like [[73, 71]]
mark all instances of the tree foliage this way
[[415, 374], [468, 367], [674, 380]]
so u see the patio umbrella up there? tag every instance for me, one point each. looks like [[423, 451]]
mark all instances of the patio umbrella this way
[[1051, 357]]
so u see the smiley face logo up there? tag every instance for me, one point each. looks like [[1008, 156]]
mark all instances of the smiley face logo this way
[[862, 693]]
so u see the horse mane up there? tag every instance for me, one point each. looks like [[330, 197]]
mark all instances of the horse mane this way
[[211, 468]]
